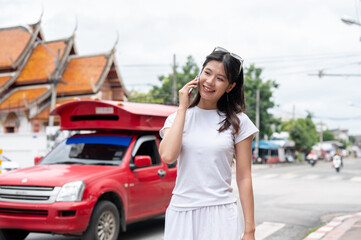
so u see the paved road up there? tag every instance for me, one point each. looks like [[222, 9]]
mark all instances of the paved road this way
[[294, 199], [289, 201]]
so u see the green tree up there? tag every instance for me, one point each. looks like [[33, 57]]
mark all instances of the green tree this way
[[327, 135], [163, 93], [136, 96], [302, 132], [352, 139], [252, 82]]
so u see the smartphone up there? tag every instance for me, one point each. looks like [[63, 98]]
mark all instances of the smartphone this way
[[197, 79]]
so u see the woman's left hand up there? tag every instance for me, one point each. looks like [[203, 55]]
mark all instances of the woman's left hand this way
[[248, 236]]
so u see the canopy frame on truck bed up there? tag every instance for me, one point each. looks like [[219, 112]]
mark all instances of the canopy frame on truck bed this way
[[102, 115]]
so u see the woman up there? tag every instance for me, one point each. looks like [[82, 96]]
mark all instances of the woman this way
[[205, 136]]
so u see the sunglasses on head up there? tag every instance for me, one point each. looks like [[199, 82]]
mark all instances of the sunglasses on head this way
[[220, 49]]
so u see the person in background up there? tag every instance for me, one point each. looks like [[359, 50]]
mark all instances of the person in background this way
[[204, 136]]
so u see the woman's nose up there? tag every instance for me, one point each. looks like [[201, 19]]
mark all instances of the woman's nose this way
[[210, 80]]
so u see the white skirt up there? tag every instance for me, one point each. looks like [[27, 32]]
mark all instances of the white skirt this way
[[205, 223]]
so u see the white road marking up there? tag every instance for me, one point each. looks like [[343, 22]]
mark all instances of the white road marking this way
[[355, 179], [267, 176], [333, 178], [267, 228], [311, 177], [289, 176]]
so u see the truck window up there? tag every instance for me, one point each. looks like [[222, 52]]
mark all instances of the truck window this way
[[149, 148], [89, 150]]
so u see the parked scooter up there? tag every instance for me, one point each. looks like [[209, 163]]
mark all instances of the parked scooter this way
[[337, 162]]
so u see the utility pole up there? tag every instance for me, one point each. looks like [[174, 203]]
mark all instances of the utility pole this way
[[321, 135], [174, 88], [256, 145]]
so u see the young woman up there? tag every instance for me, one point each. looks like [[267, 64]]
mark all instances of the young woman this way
[[205, 136]]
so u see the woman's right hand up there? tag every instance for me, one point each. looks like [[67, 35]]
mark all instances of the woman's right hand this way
[[184, 96]]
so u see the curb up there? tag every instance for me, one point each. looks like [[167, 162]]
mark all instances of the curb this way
[[322, 231]]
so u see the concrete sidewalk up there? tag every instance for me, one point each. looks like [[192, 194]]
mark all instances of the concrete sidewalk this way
[[347, 227]]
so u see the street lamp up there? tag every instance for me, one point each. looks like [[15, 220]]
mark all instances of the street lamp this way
[[350, 21], [53, 80]]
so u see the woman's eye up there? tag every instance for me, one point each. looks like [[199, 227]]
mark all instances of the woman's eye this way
[[207, 73], [220, 79]]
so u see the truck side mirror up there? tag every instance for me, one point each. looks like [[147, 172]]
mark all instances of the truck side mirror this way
[[37, 159], [142, 161]]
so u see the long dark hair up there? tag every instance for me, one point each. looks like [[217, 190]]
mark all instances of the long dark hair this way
[[234, 103]]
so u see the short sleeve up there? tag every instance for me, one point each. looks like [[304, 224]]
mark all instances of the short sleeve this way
[[247, 128], [168, 123]]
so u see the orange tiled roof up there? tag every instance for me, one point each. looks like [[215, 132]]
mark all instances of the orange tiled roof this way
[[45, 113], [80, 72], [12, 43], [4, 79], [16, 99], [41, 62]]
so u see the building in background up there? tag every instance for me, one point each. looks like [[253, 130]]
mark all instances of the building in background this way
[[340, 134], [32, 71]]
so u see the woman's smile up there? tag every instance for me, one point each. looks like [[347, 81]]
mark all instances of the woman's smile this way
[[213, 84], [208, 89]]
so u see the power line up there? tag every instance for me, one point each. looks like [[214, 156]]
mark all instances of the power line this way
[[303, 57], [318, 117]]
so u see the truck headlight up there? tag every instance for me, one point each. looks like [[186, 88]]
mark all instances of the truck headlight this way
[[72, 191]]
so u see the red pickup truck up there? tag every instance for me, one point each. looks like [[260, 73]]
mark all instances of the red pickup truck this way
[[95, 182]]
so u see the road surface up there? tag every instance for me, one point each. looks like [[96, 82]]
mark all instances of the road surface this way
[[290, 199]]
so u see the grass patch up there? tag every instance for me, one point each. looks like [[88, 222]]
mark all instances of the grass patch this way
[[311, 231]]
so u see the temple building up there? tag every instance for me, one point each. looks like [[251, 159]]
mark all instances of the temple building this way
[[36, 75], [32, 72]]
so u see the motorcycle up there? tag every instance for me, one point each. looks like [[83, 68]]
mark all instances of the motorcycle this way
[[312, 158], [337, 162], [312, 162]]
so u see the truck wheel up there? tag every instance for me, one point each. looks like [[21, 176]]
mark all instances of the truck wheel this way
[[104, 223], [13, 234]]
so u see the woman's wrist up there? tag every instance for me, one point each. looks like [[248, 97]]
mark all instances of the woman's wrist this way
[[250, 231], [250, 228], [182, 109]]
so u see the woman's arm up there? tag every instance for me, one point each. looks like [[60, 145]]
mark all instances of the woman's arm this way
[[170, 146], [244, 182]]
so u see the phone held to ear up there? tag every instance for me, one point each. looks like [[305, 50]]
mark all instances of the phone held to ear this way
[[197, 79]]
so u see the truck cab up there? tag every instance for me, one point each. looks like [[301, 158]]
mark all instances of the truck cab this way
[[95, 182]]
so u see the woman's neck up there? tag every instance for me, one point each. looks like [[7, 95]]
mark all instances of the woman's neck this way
[[207, 105]]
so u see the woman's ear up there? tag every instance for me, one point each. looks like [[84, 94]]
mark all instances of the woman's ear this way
[[231, 87]]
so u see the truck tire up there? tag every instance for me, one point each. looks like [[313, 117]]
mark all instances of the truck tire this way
[[13, 234], [104, 223]]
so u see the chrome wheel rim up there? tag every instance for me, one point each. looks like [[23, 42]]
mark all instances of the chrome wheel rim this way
[[106, 226]]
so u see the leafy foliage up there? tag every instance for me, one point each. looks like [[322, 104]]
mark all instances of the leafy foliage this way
[[163, 94], [328, 135], [302, 132], [253, 81], [352, 139]]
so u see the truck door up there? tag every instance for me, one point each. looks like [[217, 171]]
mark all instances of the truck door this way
[[146, 184]]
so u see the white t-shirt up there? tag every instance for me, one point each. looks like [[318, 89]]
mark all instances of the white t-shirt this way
[[204, 163]]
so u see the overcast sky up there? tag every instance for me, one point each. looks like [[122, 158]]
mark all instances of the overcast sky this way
[[290, 40]]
